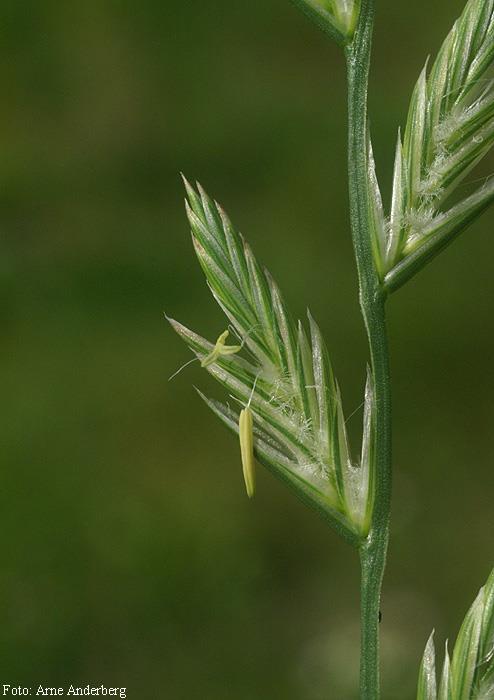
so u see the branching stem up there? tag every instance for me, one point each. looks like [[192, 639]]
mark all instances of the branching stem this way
[[372, 300]]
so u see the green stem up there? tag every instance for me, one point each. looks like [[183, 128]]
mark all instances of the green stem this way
[[372, 301]]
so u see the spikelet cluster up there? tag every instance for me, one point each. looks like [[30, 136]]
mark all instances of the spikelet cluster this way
[[469, 673], [338, 17], [450, 128], [283, 375]]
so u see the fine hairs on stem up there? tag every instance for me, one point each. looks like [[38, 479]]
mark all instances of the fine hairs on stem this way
[[292, 420]]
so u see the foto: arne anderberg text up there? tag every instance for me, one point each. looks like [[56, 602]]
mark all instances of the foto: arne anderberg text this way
[[88, 690]]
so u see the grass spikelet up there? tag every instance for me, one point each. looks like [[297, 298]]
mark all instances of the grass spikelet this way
[[338, 18], [469, 675], [286, 384], [449, 130]]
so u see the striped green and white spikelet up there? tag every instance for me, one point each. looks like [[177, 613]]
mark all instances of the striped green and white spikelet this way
[[469, 673], [337, 17], [450, 128], [284, 377]]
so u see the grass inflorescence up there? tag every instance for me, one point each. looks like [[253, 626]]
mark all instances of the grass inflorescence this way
[[283, 400]]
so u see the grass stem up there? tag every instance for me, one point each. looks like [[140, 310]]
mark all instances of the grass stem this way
[[372, 301]]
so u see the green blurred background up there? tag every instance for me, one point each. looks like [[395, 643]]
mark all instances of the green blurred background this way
[[130, 555]]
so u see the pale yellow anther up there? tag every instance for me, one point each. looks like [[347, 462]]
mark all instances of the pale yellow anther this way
[[246, 435]]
